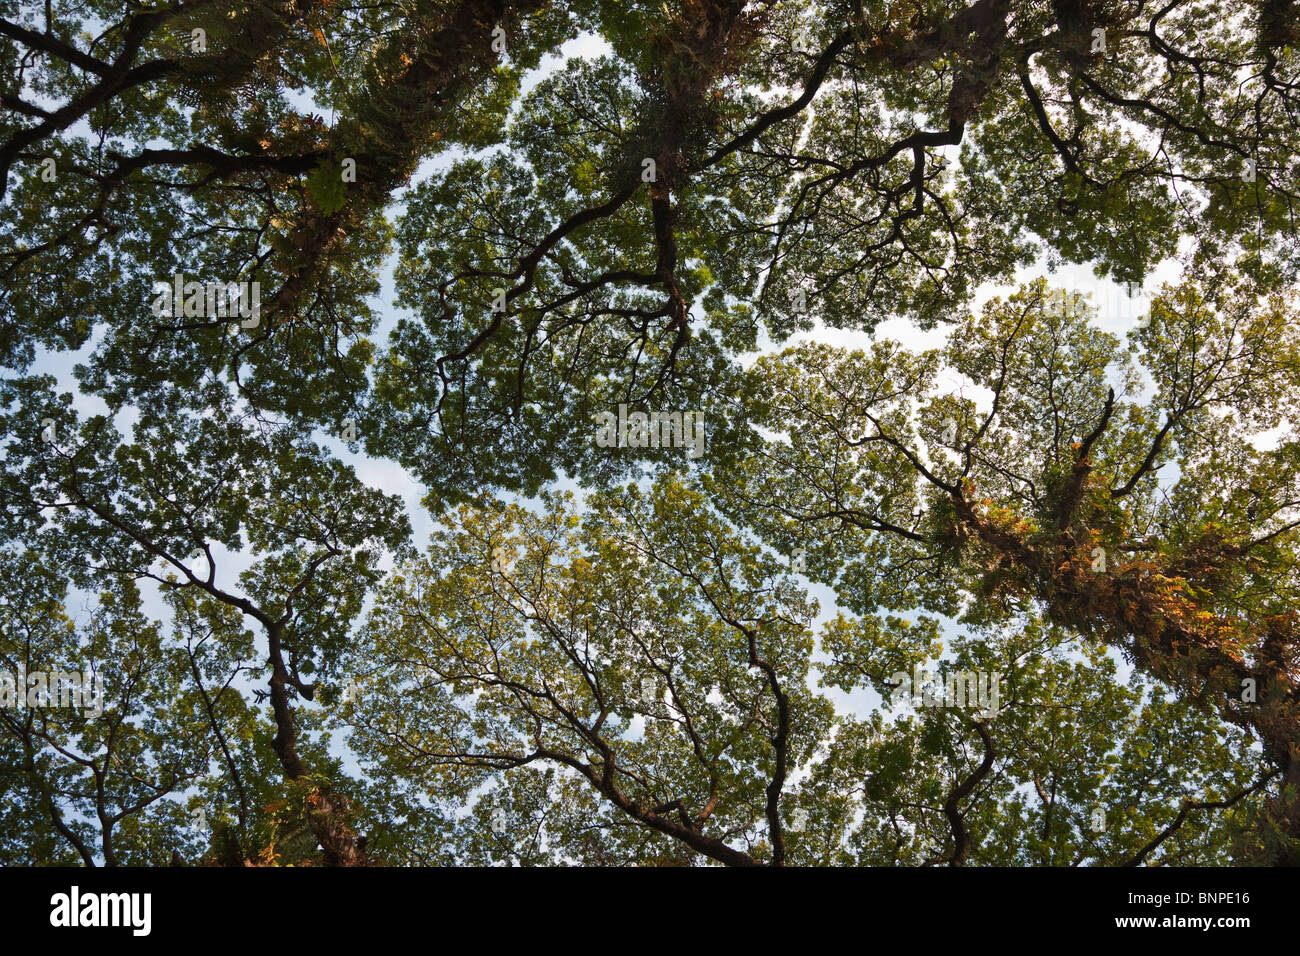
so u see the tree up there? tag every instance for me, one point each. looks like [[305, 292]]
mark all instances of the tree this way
[[1050, 499], [633, 686], [627, 229], [165, 506]]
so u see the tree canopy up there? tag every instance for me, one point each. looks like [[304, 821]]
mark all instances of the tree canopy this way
[[751, 215]]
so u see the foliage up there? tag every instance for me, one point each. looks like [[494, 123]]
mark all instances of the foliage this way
[[689, 216]]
